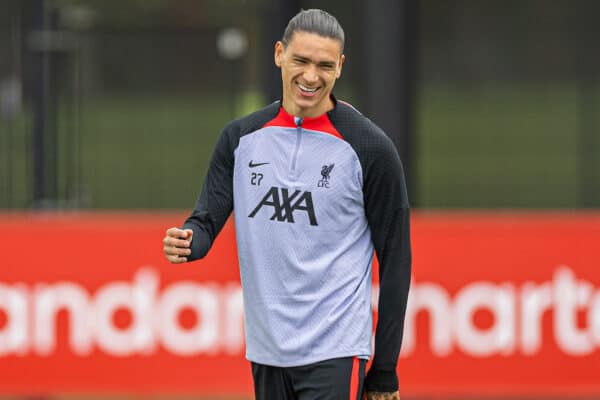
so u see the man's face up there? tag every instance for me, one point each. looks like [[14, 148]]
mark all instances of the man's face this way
[[309, 64]]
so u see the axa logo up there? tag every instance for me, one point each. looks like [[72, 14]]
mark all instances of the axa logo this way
[[325, 171], [285, 204]]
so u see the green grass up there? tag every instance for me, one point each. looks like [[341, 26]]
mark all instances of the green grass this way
[[489, 147], [149, 152], [15, 167]]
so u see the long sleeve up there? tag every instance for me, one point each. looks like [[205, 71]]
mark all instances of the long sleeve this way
[[215, 203], [387, 210]]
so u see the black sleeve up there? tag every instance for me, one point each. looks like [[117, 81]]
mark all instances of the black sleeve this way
[[387, 210], [215, 202]]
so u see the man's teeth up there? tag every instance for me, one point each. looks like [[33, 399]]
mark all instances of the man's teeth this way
[[305, 89]]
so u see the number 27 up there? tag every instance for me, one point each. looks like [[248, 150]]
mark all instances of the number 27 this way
[[255, 178]]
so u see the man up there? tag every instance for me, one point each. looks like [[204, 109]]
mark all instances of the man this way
[[317, 188]]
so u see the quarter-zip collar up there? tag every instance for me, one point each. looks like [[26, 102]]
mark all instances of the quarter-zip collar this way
[[322, 123]]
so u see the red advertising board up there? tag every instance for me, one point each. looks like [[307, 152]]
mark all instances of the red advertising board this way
[[501, 303]]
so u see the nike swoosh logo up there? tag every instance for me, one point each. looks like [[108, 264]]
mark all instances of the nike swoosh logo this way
[[252, 165]]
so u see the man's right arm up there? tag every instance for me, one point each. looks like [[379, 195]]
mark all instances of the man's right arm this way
[[213, 207]]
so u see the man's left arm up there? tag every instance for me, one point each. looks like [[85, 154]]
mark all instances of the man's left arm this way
[[387, 210]]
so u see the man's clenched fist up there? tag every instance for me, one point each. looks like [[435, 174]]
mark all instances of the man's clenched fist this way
[[176, 245]]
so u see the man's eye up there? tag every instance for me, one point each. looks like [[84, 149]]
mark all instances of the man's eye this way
[[299, 61]]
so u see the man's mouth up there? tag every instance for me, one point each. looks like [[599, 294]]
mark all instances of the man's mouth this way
[[307, 89]]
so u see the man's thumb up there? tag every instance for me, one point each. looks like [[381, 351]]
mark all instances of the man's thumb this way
[[188, 234]]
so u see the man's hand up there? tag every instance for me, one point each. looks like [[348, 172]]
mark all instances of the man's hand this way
[[176, 245], [382, 396]]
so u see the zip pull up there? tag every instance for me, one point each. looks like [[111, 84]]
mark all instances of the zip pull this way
[[298, 122]]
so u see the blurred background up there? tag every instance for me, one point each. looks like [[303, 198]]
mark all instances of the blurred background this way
[[116, 105], [494, 104]]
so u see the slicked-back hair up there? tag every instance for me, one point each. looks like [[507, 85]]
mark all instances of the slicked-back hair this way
[[314, 21]]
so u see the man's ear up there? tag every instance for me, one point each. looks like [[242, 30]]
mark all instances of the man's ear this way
[[278, 53]]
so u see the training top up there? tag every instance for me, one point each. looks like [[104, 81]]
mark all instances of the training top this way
[[312, 199]]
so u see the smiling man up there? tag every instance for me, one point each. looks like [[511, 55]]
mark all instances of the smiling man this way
[[310, 65], [317, 189]]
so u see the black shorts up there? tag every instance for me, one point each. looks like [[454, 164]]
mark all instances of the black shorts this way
[[335, 379]]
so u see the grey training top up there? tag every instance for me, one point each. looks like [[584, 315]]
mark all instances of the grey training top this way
[[312, 198]]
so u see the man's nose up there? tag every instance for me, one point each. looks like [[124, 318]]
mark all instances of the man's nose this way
[[310, 74]]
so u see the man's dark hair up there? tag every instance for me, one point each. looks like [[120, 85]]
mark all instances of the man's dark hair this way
[[314, 21]]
